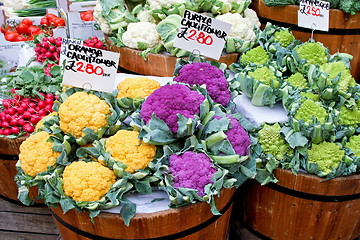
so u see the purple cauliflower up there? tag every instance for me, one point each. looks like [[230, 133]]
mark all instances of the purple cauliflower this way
[[237, 136], [192, 170], [211, 76], [169, 100]]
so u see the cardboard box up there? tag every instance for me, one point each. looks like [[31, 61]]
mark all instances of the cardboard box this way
[[82, 29]]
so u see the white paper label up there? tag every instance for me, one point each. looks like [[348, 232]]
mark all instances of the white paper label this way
[[314, 14], [89, 68], [202, 34]]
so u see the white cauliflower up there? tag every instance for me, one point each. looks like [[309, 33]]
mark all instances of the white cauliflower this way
[[99, 19], [144, 16], [144, 32], [242, 28], [156, 4], [251, 14]]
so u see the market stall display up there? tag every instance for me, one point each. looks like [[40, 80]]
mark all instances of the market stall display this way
[[149, 30], [343, 35]]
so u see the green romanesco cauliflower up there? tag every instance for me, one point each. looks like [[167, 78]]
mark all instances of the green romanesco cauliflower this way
[[354, 144], [309, 109], [297, 80], [264, 75], [326, 155], [272, 143], [309, 95], [313, 53], [257, 56], [334, 69], [349, 116], [284, 37]]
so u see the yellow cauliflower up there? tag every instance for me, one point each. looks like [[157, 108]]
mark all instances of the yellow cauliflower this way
[[40, 123], [82, 110], [87, 181], [125, 147], [138, 87], [36, 154]]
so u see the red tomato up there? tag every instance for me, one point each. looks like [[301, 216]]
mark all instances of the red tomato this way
[[27, 22], [3, 29], [20, 38], [88, 17], [11, 36], [50, 16], [33, 30], [59, 22], [22, 28], [44, 21]]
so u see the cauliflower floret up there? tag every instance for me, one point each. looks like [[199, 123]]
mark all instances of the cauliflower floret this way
[[157, 4], [87, 181], [313, 53], [144, 16], [125, 147], [252, 16], [264, 75], [191, 170], [138, 87], [36, 154], [170, 100], [309, 109], [242, 28], [257, 56], [143, 32], [284, 37], [82, 110], [211, 76], [354, 144], [272, 143], [99, 19], [326, 155], [298, 81]]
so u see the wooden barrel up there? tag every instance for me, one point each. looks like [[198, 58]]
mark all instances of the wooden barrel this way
[[343, 34], [303, 206], [193, 221], [9, 155], [161, 65]]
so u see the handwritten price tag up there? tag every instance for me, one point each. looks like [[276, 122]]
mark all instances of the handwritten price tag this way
[[314, 14], [203, 34], [89, 68]]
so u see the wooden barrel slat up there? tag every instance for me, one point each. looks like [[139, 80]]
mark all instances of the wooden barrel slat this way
[[162, 65], [188, 221], [279, 215], [10, 146], [343, 35]]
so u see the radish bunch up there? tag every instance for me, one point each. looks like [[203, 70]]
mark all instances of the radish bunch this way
[[21, 114], [94, 42], [49, 48]]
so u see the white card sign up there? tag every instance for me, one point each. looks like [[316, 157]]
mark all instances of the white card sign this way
[[201, 33], [314, 14], [89, 68]]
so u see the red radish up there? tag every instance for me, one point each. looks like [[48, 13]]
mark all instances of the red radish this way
[[7, 118], [52, 40], [52, 48], [20, 109], [27, 114], [15, 130], [7, 131], [49, 95], [41, 104], [49, 101], [37, 108], [21, 122], [49, 108], [42, 94], [14, 122], [34, 119], [45, 45], [7, 103], [42, 112], [12, 111], [58, 43], [32, 105], [24, 105], [45, 39], [1, 132], [48, 54], [5, 124], [28, 128]]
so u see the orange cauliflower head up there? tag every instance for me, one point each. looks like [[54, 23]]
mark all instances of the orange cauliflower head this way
[[36, 154], [138, 87], [125, 147], [82, 110], [40, 123], [87, 181]]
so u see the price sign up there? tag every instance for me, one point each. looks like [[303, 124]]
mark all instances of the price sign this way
[[89, 68], [203, 34], [314, 14]]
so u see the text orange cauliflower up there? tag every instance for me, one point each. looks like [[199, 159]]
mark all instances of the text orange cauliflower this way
[[125, 147], [36, 154], [138, 87], [82, 110], [87, 181]]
